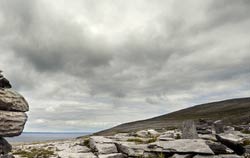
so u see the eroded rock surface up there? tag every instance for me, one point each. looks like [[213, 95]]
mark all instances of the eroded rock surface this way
[[11, 123], [12, 101]]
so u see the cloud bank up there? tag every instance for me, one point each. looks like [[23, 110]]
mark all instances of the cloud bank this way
[[89, 65]]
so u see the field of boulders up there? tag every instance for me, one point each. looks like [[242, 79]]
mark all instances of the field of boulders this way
[[199, 139]]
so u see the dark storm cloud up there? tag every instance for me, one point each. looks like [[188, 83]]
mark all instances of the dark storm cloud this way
[[106, 60], [226, 12]]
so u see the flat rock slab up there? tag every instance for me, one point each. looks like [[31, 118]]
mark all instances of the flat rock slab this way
[[11, 123], [131, 149], [12, 101], [76, 155], [186, 146], [116, 155], [100, 139], [7, 156], [218, 156]]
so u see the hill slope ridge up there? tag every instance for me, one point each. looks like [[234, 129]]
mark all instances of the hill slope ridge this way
[[231, 111]]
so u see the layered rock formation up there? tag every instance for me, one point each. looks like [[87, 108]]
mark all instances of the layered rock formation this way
[[12, 115]]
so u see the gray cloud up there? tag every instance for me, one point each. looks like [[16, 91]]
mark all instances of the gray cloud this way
[[84, 63]]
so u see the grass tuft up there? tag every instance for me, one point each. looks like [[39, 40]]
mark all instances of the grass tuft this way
[[136, 140], [86, 143], [246, 142], [36, 152]]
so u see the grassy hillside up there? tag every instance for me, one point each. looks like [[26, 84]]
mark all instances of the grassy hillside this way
[[236, 111]]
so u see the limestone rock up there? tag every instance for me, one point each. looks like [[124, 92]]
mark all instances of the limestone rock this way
[[5, 147], [153, 133], [142, 133], [182, 156], [12, 101], [105, 148], [77, 155], [102, 145], [115, 155], [198, 146], [99, 139], [7, 156], [219, 148], [235, 146], [131, 149], [208, 137], [219, 127], [218, 156], [168, 135], [11, 123], [189, 130]]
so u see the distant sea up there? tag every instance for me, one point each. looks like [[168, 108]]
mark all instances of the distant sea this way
[[26, 137]]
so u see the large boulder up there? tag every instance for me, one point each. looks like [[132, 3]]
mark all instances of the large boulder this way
[[12, 101], [11, 123], [234, 145]]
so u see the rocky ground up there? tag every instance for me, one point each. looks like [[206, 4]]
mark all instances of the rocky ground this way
[[203, 139]]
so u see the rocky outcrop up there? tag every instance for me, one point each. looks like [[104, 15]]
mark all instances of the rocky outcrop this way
[[130, 145], [12, 115]]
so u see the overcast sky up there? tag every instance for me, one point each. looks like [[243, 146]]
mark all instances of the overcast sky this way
[[86, 65]]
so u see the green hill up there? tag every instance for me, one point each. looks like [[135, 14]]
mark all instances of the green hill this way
[[233, 111]]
